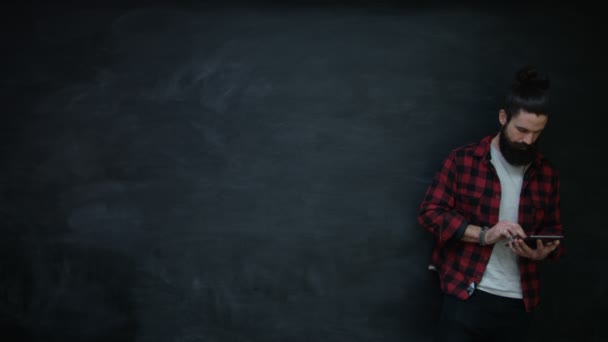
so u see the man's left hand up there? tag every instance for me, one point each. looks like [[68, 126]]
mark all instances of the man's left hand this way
[[519, 247]]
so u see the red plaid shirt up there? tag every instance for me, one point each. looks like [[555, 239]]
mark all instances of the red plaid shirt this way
[[466, 190]]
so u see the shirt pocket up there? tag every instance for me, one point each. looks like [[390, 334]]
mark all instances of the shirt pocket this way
[[468, 205], [534, 215]]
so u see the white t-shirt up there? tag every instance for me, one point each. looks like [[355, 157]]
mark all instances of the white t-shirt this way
[[502, 277]]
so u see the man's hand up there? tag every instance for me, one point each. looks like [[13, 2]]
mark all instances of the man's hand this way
[[504, 230], [519, 247]]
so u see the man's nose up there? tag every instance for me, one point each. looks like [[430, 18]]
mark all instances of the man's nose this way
[[528, 139]]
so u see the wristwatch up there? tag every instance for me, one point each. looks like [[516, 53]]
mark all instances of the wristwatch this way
[[482, 235]]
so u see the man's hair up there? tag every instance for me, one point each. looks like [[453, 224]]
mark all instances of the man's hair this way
[[528, 92]]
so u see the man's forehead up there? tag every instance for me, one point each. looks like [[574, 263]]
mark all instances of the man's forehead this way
[[529, 120]]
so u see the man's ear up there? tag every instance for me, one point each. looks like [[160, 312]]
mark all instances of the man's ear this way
[[502, 117]]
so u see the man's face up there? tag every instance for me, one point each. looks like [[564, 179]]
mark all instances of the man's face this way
[[518, 139]]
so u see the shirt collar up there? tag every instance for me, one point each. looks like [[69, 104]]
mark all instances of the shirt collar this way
[[482, 150]]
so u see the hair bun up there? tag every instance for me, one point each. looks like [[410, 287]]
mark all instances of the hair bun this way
[[529, 76]]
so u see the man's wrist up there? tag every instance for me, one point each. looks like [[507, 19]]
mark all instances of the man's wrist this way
[[482, 235]]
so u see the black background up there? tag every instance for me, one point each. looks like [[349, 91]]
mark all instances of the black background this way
[[198, 171]]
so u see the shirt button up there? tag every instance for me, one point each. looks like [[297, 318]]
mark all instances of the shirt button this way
[[471, 288]]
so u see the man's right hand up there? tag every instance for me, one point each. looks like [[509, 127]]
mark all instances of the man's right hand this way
[[504, 230]]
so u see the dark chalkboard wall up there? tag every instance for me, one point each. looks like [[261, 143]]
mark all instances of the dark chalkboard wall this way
[[251, 172]]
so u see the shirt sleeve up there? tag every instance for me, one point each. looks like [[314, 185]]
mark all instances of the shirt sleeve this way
[[437, 212]]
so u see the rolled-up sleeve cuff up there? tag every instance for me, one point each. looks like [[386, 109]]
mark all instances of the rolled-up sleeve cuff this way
[[460, 232]]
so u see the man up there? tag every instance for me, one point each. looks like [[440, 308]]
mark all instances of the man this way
[[485, 198]]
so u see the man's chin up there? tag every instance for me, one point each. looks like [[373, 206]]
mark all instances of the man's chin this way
[[519, 160]]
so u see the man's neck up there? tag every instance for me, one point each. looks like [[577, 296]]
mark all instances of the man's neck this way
[[495, 142]]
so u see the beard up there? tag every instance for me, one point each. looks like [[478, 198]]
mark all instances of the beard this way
[[516, 154]]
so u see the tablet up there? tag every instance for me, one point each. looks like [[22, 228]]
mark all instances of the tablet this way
[[530, 240]]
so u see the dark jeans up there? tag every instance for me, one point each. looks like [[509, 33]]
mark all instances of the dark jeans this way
[[483, 317]]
